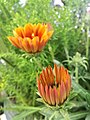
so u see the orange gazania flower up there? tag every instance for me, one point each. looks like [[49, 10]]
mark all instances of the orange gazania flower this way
[[54, 85], [31, 38]]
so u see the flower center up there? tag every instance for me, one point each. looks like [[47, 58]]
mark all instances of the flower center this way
[[55, 85], [33, 35]]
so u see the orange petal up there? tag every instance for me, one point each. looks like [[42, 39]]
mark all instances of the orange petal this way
[[48, 76], [45, 76], [52, 95], [19, 32], [51, 75], [47, 94], [42, 79], [41, 45], [50, 34], [42, 89], [20, 43], [26, 45], [45, 37], [28, 30], [68, 86], [36, 28], [59, 95], [62, 74], [14, 41], [31, 45], [56, 96], [41, 30], [62, 92], [35, 42], [57, 74], [39, 87]]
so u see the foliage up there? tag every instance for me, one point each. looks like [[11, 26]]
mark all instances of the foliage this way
[[68, 46]]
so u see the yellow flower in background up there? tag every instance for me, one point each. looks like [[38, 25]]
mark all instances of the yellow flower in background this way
[[32, 37], [54, 85]]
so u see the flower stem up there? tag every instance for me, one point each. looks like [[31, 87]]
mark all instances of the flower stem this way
[[67, 54], [76, 72], [87, 43]]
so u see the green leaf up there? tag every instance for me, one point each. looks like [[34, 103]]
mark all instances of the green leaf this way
[[88, 98], [65, 114], [27, 111], [79, 89], [3, 48], [78, 115], [87, 117], [24, 114]]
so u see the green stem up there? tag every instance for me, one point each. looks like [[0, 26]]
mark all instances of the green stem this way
[[8, 62], [67, 54], [65, 114], [87, 43], [76, 72], [34, 97]]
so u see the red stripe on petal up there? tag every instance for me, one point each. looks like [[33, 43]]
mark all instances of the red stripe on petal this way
[[68, 86], [47, 94], [51, 75], [41, 45], [56, 96], [43, 92], [62, 92], [57, 74], [14, 41], [42, 79], [28, 29], [52, 95], [44, 73]]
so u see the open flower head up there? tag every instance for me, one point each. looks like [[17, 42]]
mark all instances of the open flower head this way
[[32, 37], [54, 85]]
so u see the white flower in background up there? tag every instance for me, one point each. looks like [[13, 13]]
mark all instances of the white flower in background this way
[[57, 12], [88, 12], [59, 16], [58, 3], [88, 8], [88, 33], [3, 117], [76, 27], [78, 15], [22, 2], [2, 62]]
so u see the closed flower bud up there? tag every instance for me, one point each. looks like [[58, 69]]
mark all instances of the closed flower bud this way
[[54, 85]]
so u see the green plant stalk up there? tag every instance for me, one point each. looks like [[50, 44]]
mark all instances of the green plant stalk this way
[[76, 72], [67, 54], [34, 97], [65, 114], [87, 44], [8, 62]]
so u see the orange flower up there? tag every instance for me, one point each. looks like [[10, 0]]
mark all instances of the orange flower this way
[[32, 38], [54, 85]]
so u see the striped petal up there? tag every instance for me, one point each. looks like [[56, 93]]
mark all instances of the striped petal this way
[[42, 90], [35, 42], [14, 41], [62, 92], [55, 93], [56, 96], [28, 30], [19, 32], [47, 94], [52, 95]]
